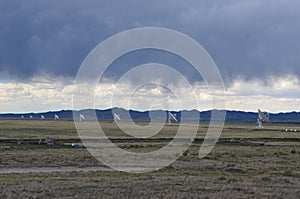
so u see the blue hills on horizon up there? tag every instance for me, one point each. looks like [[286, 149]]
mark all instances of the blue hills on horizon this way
[[156, 115]]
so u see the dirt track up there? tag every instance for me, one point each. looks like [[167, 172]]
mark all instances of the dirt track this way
[[52, 169], [65, 169]]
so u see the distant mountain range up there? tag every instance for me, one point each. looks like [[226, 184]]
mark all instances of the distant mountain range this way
[[155, 115]]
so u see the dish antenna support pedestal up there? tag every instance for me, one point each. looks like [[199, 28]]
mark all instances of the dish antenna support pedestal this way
[[262, 118]]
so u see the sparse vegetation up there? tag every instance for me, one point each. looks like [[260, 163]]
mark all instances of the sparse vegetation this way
[[231, 170]]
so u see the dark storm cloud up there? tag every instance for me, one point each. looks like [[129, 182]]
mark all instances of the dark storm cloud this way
[[250, 38]]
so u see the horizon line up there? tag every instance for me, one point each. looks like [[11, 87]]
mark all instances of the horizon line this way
[[231, 110]]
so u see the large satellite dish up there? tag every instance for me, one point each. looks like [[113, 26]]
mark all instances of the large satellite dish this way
[[81, 117], [172, 119], [262, 118], [116, 117], [42, 117], [56, 117]]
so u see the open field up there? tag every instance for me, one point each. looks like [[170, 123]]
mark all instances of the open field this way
[[260, 164]]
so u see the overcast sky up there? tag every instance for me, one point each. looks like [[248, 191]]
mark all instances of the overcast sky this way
[[255, 44]]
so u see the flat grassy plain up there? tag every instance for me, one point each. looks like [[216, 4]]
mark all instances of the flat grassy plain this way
[[257, 164]]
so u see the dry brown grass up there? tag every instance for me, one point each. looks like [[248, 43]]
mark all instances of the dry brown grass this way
[[231, 170]]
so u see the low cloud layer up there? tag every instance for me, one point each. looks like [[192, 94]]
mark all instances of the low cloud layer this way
[[280, 94]]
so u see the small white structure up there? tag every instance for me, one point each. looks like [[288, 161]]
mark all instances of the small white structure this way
[[116, 117], [81, 117], [290, 130], [30, 117], [77, 145], [262, 118], [22, 116], [56, 117], [42, 117]]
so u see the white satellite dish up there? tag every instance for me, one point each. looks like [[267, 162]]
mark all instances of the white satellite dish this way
[[30, 116], [171, 118], [81, 117], [262, 118], [116, 117], [42, 117], [56, 117], [22, 116]]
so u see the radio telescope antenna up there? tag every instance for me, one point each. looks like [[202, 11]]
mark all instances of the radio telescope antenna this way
[[30, 116], [81, 117], [262, 118], [56, 117], [42, 117], [116, 117], [171, 118], [22, 116]]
